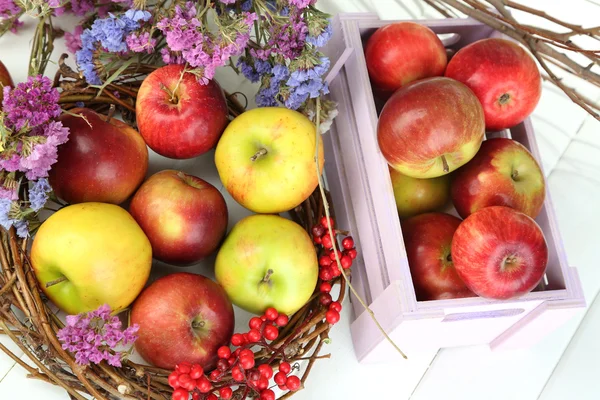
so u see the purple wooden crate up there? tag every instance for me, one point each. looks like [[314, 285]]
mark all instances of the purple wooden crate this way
[[360, 184]]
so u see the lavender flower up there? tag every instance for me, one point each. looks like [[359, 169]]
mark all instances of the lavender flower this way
[[91, 336], [322, 39], [6, 221], [267, 97], [254, 72], [31, 103], [38, 194]]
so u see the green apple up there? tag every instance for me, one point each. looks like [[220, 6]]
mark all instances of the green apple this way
[[267, 261], [416, 196], [90, 254], [266, 159]]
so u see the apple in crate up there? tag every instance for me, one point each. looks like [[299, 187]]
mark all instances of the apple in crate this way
[[428, 238], [104, 162], [416, 196], [5, 79], [89, 254], [430, 128], [499, 253], [504, 77], [401, 53], [267, 261], [184, 217], [178, 116], [182, 317], [266, 159], [503, 173]]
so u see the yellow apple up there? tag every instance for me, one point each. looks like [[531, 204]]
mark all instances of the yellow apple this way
[[266, 159], [267, 261], [92, 254], [416, 196]]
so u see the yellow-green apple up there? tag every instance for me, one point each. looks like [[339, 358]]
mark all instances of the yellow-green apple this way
[[504, 77], [184, 217], [267, 261], [401, 53], [104, 162], [5, 80], [266, 159], [499, 253], [178, 116], [430, 127], [90, 254], [428, 238], [503, 173], [416, 196], [182, 317]]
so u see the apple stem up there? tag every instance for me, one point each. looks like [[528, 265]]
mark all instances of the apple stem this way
[[258, 154], [445, 164], [504, 98], [56, 281], [198, 324], [514, 175], [267, 276]]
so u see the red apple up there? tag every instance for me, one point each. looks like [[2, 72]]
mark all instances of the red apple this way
[[403, 52], [503, 173], [499, 253], [5, 80], [178, 116], [182, 317], [430, 127], [184, 217], [427, 238], [504, 77], [103, 163]]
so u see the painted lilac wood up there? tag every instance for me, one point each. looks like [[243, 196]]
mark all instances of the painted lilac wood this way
[[362, 196]]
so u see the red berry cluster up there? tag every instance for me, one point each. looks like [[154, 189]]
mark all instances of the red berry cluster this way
[[327, 260], [333, 314], [285, 381], [187, 378]]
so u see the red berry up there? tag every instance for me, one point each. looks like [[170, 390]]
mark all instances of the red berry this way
[[352, 253], [195, 396], [215, 375], [325, 287], [184, 379], [183, 368], [324, 261], [285, 367], [237, 374], [254, 335], [191, 385], [174, 380], [333, 253], [326, 241], [267, 394], [271, 332], [325, 274], [282, 387], [317, 239], [262, 383], [225, 393], [246, 353], [237, 339], [325, 224], [318, 230], [254, 375], [212, 396], [224, 352], [335, 271], [280, 378], [336, 306], [180, 394], [271, 314], [255, 323], [293, 383], [231, 360], [265, 370], [204, 385], [247, 362], [196, 371], [346, 262], [325, 299], [222, 365], [282, 320], [348, 243], [236, 352], [332, 316], [245, 337]]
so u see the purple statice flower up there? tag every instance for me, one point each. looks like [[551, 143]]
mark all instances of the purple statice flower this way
[[8, 9], [21, 226], [54, 3], [91, 336], [322, 39], [267, 96], [254, 72], [38, 194], [82, 7], [10, 194], [44, 155], [139, 43], [305, 83], [170, 57], [301, 3], [11, 163], [227, 1], [73, 39], [285, 40], [31, 103], [246, 5]]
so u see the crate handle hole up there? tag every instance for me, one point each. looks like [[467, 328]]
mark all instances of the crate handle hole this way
[[511, 312], [449, 39]]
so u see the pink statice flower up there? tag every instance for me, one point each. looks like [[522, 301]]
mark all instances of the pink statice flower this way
[[140, 43], [31, 103], [73, 39]]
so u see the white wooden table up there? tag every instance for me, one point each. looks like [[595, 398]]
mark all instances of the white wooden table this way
[[564, 365]]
